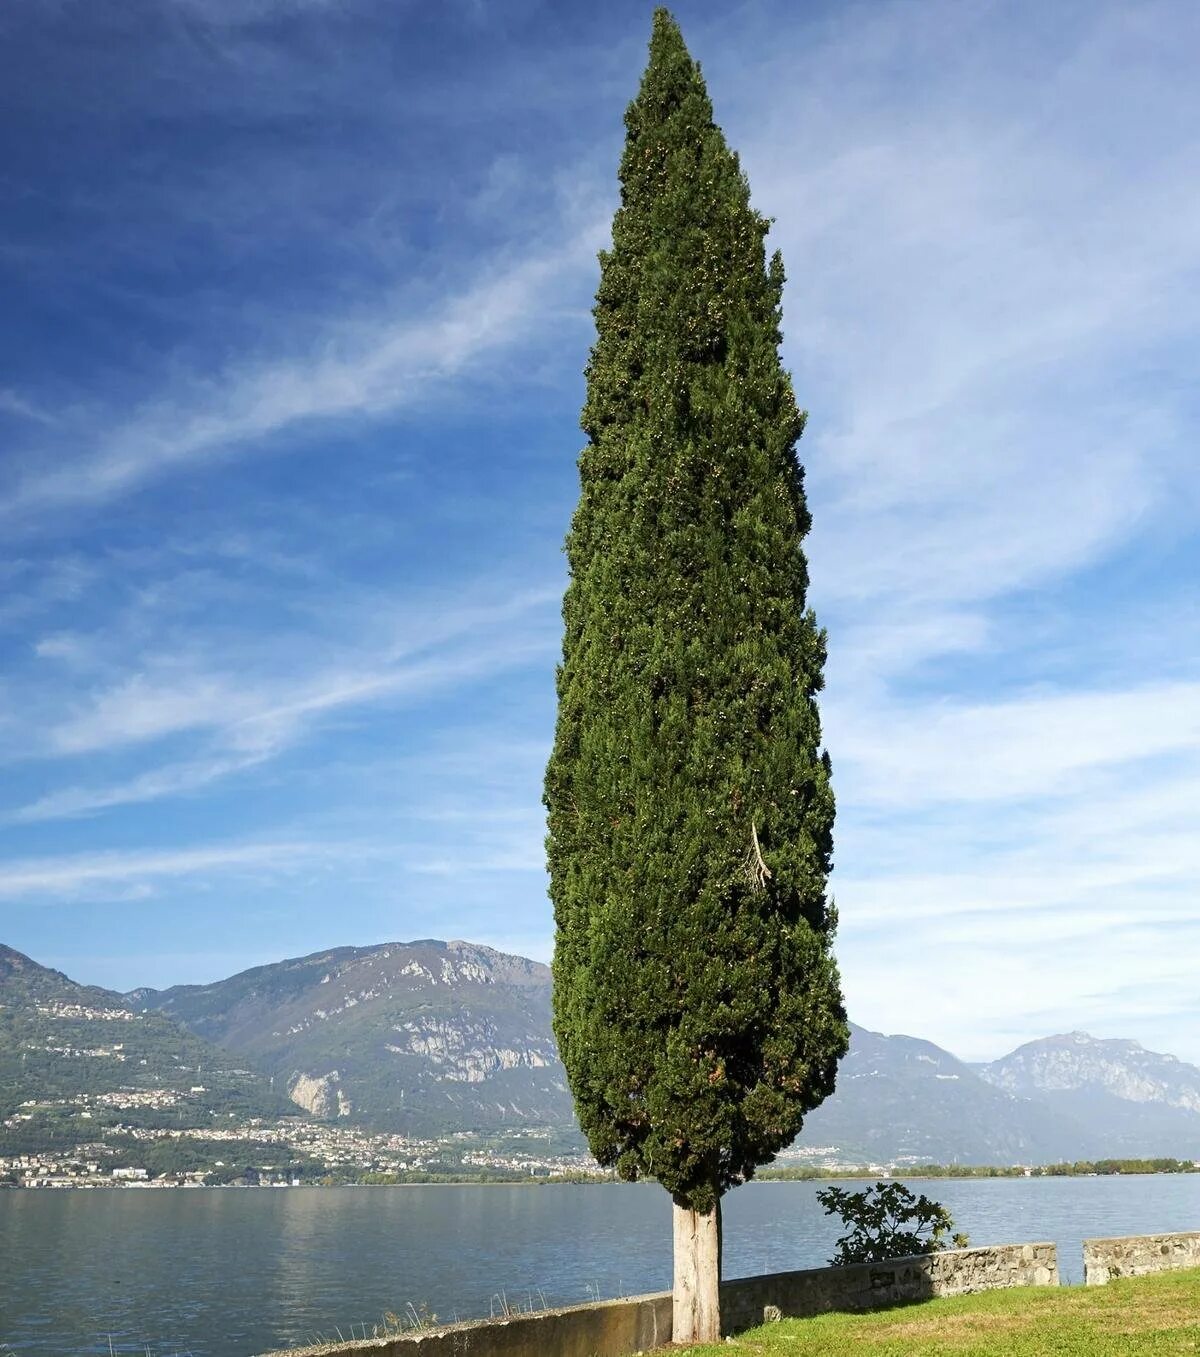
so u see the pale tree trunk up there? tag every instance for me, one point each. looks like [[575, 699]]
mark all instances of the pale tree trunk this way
[[696, 1307]]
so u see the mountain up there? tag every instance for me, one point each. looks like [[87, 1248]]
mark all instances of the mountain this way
[[432, 1037], [422, 1038], [1124, 1099], [65, 1042], [900, 1099], [429, 1038]]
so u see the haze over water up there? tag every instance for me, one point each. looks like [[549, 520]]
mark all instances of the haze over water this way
[[230, 1273]]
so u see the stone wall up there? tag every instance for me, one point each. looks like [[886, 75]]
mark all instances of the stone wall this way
[[1135, 1255], [618, 1327], [865, 1286]]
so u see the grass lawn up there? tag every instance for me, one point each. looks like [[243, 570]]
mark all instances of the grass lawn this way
[[1157, 1315]]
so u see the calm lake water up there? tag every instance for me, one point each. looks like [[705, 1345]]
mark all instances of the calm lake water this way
[[229, 1272]]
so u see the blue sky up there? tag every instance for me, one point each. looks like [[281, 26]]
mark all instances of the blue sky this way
[[296, 303]]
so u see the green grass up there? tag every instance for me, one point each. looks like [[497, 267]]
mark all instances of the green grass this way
[[1157, 1315]]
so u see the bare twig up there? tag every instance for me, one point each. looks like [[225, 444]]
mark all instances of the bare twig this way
[[756, 869]]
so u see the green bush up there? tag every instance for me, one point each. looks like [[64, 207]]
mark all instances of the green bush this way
[[888, 1221]]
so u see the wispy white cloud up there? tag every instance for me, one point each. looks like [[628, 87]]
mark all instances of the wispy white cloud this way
[[1064, 902], [478, 815], [29, 589], [872, 647], [240, 719], [255, 714], [971, 264], [364, 365], [134, 874], [174, 779], [983, 909], [985, 994], [484, 846], [13, 403], [993, 237], [915, 754]]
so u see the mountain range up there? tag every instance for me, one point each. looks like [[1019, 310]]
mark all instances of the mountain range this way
[[60, 1039], [1121, 1095], [420, 1038], [428, 1038]]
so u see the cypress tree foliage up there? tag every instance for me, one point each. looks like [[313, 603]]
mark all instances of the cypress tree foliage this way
[[697, 1003]]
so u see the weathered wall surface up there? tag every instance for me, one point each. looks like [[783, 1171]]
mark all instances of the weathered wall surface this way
[[615, 1328], [1135, 1255], [865, 1286], [609, 1329]]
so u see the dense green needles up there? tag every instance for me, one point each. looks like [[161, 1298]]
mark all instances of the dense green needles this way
[[697, 1003]]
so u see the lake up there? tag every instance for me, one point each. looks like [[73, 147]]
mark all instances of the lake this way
[[231, 1272]]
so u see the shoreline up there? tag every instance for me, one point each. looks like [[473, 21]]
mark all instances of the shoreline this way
[[770, 1179]]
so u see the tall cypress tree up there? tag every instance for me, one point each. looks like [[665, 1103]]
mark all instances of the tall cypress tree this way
[[696, 1000]]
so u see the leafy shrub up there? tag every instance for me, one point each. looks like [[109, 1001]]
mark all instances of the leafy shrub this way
[[888, 1221]]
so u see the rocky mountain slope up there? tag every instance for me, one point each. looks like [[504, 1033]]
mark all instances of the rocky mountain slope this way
[[424, 1037], [60, 1039], [433, 1037], [430, 1038], [901, 1099], [1123, 1098]]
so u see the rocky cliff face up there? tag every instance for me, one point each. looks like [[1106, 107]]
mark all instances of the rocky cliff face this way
[[421, 1037], [320, 1097], [1078, 1061], [466, 1052], [1124, 1099]]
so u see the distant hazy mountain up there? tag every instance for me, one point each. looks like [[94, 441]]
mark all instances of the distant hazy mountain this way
[[899, 1098], [59, 1039], [423, 1037], [1123, 1098]]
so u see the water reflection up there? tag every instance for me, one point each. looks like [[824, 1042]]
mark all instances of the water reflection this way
[[227, 1273]]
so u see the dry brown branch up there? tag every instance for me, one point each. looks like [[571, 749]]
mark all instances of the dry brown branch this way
[[756, 869]]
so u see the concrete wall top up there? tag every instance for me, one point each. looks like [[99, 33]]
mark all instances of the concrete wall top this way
[[616, 1328], [611, 1328]]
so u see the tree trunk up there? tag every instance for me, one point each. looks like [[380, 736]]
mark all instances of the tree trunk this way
[[696, 1307]]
